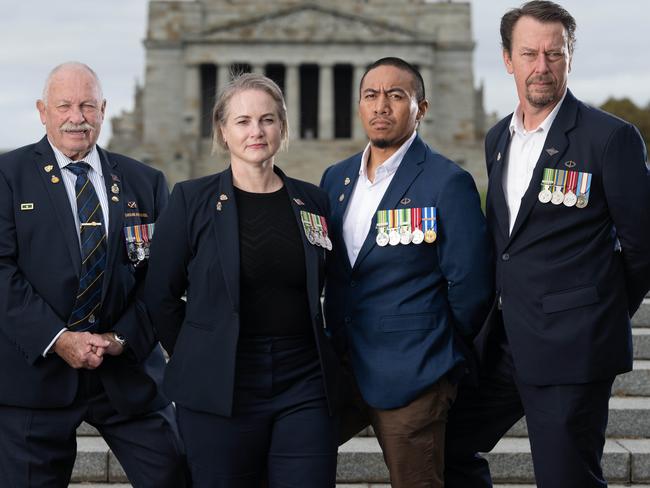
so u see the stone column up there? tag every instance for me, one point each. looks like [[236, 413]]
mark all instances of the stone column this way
[[426, 124], [223, 76], [292, 94], [191, 127], [325, 102], [357, 129]]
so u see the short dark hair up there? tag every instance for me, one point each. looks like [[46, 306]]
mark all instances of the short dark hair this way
[[418, 82], [543, 11]]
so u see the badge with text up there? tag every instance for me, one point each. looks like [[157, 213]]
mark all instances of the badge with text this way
[[138, 239]]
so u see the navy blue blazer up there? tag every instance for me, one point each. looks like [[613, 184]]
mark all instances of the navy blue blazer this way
[[403, 313], [40, 263], [196, 250], [567, 293]]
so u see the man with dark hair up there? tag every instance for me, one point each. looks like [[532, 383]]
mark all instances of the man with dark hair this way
[[568, 207], [408, 281], [72, 262]]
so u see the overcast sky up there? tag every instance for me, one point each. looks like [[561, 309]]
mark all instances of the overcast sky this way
[[611, 59]]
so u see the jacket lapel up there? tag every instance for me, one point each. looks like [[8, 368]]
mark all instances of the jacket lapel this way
[[226, 232], [311, 251], [112, 176], [497, 197], [556, 140], [408, 170], [52, 180], [343, 194]]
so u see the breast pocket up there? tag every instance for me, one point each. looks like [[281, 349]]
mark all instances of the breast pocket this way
[[569, 299]]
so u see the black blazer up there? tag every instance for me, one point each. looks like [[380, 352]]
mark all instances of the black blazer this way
[[40, 263], [196, 250], [567, 291]]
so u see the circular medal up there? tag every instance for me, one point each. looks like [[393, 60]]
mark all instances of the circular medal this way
[[132, 253], [430, 236], [328, 243], [417, 237], [557, 198], [140, 253], [393, 238], [311, 237], [545, 195], [570, 199], [405, 236], [581, 201], [382, 238]]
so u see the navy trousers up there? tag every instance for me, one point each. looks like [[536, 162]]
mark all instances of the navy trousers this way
[[566, 427], [38, 446], [280, 428]]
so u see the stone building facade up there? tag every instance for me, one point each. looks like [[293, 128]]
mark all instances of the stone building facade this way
[[317, 52]]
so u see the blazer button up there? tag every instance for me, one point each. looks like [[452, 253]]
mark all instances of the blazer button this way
[[353, 284], [505, 256], [347, 320]]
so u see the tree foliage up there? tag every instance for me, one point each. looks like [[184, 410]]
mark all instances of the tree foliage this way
[[628, 110]]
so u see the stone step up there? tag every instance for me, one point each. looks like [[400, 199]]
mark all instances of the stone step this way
[[624, 460], [641, 342], [634, 383], [629, 417], [642, 316]]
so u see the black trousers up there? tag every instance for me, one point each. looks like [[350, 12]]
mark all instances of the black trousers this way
[[566, 427], [38, 446], [280, 430]]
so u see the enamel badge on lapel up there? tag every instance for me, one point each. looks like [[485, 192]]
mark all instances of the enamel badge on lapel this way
[[55, 179], [346, 181], [341, 197], [115, 198], [405, 201], [48, 168], [27, 206], [551, 151], [499, 156], [115, 178], [132, 204], [570, 164], [223, 197], [298, 201], [219, 206], [115, 190]]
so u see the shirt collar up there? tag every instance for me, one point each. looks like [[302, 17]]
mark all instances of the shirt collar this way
[[517, 122], [92, 158], [389, 166]]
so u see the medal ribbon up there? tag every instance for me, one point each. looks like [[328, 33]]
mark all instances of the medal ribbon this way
[[323, 224], [429, 220], [416, 218], [559, 179], [585, 184], [382, 219], [548, 178], [405, 218], [571, 182], [391, 219]]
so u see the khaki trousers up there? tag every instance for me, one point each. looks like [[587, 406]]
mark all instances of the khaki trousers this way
[[411, 437]]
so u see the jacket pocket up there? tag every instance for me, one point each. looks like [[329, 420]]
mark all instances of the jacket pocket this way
[[414, 321], [566, 300], [198, 325]]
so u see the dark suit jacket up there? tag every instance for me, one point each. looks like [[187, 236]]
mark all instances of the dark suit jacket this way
[[196, 250], [402, 313], [567, 294], [40, 263]]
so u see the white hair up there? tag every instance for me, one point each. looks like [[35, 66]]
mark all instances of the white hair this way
[[71, 65]]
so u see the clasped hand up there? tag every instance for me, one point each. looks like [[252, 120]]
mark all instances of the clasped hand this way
[[85, 349]]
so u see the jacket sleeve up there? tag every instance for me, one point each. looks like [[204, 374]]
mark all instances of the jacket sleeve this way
[[26, 319], [626, 181], [167, 280], [133, 324], [464, 253]]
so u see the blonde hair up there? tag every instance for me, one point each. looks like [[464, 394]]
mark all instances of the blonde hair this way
[[243, 82]]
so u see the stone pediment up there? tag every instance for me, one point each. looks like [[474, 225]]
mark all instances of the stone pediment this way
[[309, 24]]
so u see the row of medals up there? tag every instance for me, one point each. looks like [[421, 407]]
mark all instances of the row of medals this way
[[138, 251], [404, 236], [558, 197], [320, 238]]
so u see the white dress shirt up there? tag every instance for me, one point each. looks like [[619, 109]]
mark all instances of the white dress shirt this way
[[365, 198], [96, 177], [525, 149]]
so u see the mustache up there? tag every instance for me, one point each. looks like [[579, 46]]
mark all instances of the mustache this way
[[539, 79], [381, 119], [70, 127]]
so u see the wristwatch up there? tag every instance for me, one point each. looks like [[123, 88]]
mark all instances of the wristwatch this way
[[120, 339]]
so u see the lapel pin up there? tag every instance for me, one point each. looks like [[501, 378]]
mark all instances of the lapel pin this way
[[48, 168], [115, 178], [552, 151], [223, 197], [115, 189], [218, 206], [570, 164], [298, 201], [347, 180], [55, 179], [132, 205], [499, 156], [405, 201], [26, 206], [341, 197], [115, 198]]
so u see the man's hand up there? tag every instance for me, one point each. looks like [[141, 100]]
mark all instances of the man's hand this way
[[81, 349], [114, 348]]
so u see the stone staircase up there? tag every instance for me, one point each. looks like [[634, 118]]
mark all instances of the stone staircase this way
[[626, 461]]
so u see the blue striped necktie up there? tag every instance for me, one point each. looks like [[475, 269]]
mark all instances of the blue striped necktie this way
[[85, 313]]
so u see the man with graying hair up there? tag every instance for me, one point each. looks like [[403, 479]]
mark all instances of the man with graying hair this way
[[568, 209], [75, 224]]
